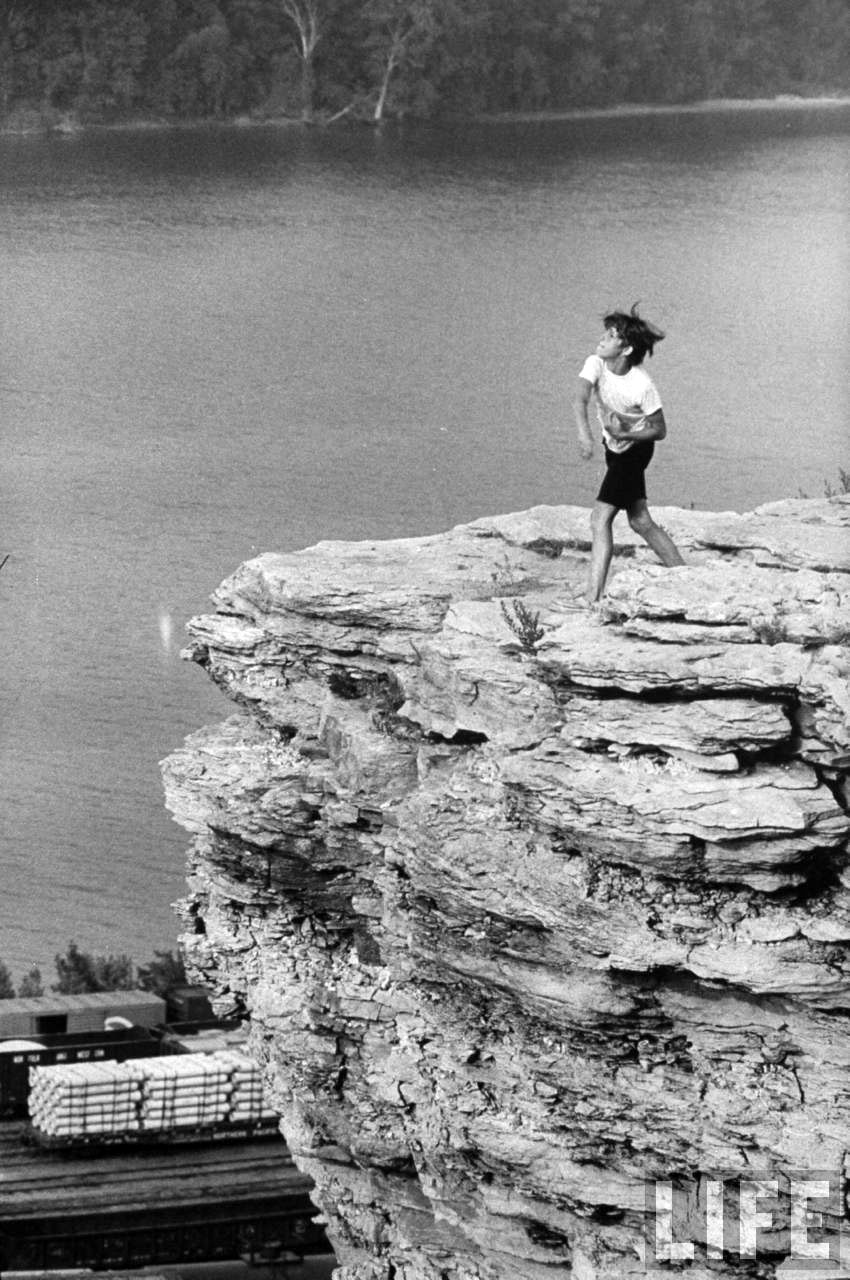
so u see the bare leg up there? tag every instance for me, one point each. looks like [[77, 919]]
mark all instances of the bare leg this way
[[655, 537], [601, 550]]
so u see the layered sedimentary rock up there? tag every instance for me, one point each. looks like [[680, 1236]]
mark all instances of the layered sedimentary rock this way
[[532, 908]]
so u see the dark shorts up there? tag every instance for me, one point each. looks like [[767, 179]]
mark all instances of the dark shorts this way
[[624, 482]]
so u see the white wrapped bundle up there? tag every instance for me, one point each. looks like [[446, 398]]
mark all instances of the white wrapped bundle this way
[[171, 1092], [238, 1064], [63, 1075], [70, 1099], [80, 1112], [186, 1091], [170, 1084], [100, 1114], [78, 1093], [114, 1122], [195, 1107], [247, 1099], [102, 1111], [198, 1106], [187, 1102], [219, 1098], [182, 1112]]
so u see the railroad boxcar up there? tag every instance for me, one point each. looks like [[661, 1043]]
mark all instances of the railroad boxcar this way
[[28, 1017]]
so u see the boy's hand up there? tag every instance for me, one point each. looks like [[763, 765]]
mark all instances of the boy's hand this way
[[622, 426], [618, 428], [585, 444]]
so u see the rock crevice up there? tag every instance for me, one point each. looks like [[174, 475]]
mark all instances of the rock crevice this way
[[530, 908]]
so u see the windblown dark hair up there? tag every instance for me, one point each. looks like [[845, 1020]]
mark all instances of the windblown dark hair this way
[[640, 335]]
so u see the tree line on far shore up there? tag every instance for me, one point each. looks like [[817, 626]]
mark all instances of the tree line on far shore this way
[[81, 971], [107, 60]]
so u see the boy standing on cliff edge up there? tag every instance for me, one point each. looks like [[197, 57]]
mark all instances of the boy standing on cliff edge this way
[[630, 415]]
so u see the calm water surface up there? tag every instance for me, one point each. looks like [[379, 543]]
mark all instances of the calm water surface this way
[[222, 341]]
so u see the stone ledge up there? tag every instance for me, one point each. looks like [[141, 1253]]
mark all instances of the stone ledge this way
[[528, 906]]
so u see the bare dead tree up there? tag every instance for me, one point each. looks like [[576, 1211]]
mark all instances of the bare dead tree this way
[[306, 16], [404, 22]]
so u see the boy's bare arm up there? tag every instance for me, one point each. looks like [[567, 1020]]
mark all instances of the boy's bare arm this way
[[580, 403], [653, 427]]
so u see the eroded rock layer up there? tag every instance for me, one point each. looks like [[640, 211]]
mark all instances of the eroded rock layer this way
[[530, 907]]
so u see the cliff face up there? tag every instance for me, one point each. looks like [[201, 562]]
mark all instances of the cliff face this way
[[529, 908]]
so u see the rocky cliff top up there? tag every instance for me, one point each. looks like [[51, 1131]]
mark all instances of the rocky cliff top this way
[[531, 906]]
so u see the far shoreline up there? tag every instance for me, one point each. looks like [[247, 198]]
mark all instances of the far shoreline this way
[[66, 124], [704, 106]]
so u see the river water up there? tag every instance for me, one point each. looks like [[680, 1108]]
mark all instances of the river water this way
[[222, 341]]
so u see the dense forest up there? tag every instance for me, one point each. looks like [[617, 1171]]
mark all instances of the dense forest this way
[[102, 60]]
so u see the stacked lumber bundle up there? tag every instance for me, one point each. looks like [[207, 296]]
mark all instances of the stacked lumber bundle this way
[[85, 1098], [186, 1091], [146, 1095], [246, 1100]]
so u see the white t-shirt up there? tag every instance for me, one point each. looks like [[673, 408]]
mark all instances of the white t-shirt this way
[[632, 394]]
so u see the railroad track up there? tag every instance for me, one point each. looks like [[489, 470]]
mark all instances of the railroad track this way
[[151, 1204]]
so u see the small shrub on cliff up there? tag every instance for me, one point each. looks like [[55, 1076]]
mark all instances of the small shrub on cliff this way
[[831, 491], [769, 631], [524, 624], [772, 628]]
